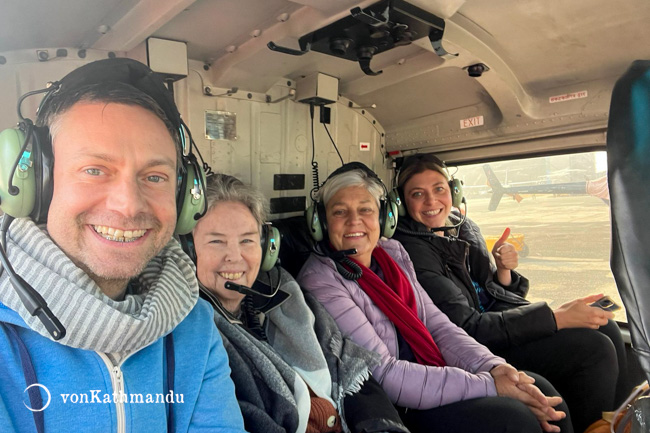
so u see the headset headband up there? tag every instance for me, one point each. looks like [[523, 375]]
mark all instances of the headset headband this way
[[425, 158], [350, 166], [120, 70], [317, 220]]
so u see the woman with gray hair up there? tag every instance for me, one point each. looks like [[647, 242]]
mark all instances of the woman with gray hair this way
[[439, 378], [292, 369]]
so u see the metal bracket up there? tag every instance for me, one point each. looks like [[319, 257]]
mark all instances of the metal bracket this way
[[273, 47], [292, 93], [207, 91], [359, 14], [436, 42], [365, 67]]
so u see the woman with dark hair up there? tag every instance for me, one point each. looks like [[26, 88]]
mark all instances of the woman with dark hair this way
[[488, 300], [292, 369], [439, 378]]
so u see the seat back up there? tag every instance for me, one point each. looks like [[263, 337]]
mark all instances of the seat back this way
[[297, 244], [628, 159]]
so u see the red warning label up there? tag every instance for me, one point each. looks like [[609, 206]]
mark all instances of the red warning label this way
[[568, 97]]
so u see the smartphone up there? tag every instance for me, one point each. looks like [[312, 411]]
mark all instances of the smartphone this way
[[606, 303]]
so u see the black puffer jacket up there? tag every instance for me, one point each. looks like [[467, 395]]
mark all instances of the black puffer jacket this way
[[446, 266]]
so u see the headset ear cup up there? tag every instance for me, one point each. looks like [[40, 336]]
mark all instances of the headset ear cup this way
[[43, 173], [396, 199], [19, 204], [187, 243], [313, 222], [191, 199], [391, 219], [389, 215], [270, 247], [456, 187], [383, 209]]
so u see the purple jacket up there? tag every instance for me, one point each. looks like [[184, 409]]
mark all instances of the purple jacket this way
[[408, 384]]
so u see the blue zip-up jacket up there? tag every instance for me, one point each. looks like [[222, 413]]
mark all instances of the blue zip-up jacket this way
[[81, 384]]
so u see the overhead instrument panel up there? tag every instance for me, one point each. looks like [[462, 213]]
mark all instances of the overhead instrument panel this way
[[368, 32]]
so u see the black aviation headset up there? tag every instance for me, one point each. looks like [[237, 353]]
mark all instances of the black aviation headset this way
[[27, 163], [316, 215], [455, 186]]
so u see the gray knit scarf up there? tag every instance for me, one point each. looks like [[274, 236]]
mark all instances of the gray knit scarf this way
[[304, 337], [93, 321], [304, 334], [270, 394]]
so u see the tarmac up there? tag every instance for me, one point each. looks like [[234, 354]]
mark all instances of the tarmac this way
[[568, 240]]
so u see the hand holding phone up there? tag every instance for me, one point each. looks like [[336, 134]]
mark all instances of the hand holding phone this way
[[606, 303]]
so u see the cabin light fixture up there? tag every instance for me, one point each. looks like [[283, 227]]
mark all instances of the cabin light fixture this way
[[317, 89], [103, 29], [44, 55], [367, 32], [361, 107]]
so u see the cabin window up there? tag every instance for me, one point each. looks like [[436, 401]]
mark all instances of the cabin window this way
[[557, 208]]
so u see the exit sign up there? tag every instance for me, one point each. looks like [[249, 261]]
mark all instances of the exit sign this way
[[471, 122]]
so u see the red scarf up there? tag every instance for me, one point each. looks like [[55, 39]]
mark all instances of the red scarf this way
[[395, 298]]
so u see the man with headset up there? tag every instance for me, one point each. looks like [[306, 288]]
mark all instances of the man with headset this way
[[100, 329]]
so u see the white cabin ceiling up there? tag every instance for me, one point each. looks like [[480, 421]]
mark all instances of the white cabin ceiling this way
[[551, 42], [211, 26], [29, 24], [534, 48]]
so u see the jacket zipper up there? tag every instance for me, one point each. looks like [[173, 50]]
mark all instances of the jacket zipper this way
[[466, 275], [397, 355], [117, 382]]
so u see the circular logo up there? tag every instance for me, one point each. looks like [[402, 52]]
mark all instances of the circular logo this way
[[47, 391]]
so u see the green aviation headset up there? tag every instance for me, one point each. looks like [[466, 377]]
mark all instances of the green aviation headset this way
[[269, 235], [270, 246], [27, 160], [316, 216], [269, 240], [455, 185]]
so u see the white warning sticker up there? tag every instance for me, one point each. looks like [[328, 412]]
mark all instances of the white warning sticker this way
[[568, 97], [471, 122]]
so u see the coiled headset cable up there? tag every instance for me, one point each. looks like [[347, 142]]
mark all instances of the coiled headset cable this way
[[341, 260]]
